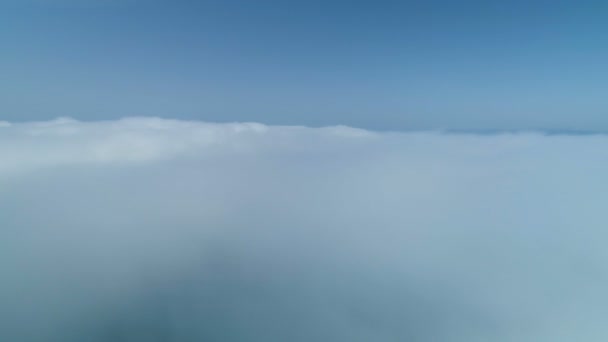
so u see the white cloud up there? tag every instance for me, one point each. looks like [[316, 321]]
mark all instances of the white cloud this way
[[64, 141], [145, 229]]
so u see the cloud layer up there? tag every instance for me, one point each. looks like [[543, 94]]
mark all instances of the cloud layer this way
[[146, 229]]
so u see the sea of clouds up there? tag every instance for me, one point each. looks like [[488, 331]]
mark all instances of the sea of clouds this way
[[144, 230]]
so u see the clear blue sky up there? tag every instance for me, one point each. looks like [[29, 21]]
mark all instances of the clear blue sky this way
[[379, 64]]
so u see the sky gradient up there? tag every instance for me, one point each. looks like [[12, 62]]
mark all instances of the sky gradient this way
[[387, 65]]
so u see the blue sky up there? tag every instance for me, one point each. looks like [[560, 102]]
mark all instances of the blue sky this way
[[390, 65]]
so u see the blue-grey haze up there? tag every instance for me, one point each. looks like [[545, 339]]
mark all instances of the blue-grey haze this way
[[149, 230]]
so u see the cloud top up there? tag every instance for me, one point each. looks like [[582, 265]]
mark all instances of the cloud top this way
[[67, 141], [145, 229]]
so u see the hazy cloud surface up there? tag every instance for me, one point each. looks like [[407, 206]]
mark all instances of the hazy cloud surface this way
[[145, 229]]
